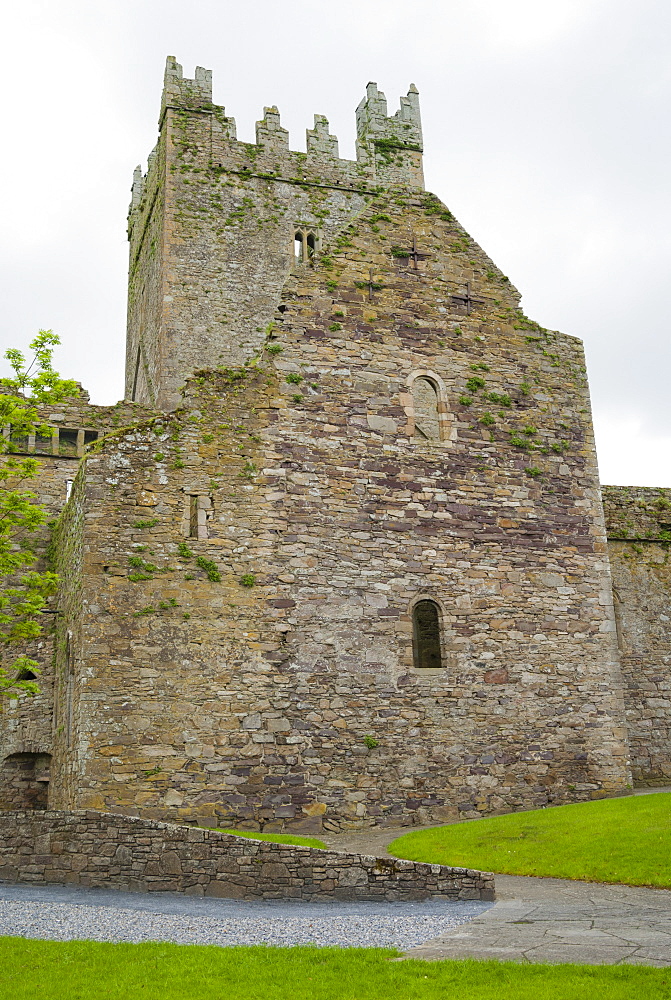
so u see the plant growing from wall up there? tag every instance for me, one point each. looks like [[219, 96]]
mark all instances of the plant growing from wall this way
[[23, 588]]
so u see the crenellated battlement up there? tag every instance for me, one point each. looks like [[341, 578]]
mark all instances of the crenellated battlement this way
[[389, 148], [181, 92], [402, 131]]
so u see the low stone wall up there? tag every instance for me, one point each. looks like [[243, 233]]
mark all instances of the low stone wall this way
[[123, 852]]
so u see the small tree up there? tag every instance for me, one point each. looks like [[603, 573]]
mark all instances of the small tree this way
[[23, 590]]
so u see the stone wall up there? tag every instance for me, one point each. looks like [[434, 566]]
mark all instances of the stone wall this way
[[111, 851], [251, 562], [639, 532], [27, 723]]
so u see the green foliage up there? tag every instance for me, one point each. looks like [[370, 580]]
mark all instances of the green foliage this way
[[487, 419], [297, 398], [382, 144], [184, 551], [24, 590], [333, 327], [331, 285], [613, 840], [159, 456], [533, 471], [480, 367], [293, 378], [32, 969], [433, 206], [371, 742], [208, 438], [210, 568], [274, 348], [501, 399], [149, 523], [374, 286], [518, 442], [247, 580], [465, 400], [278, 838], [474, 383]]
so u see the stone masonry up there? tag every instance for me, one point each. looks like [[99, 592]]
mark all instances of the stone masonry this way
[[99, 849], [337, 418], [639, 533]]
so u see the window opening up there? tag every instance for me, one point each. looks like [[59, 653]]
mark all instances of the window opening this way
[[193, 517], [425, 400], [18, 442], [298, 247], [426, 635], [68, 488], [24, 781], [90, 437], [312, 246], [26, 675], [44, 444], [136, 373], [67, 442]]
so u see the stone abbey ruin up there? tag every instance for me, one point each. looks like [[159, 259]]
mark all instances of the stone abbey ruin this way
[[340, 557]]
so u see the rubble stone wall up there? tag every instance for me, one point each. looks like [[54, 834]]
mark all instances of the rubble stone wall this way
[[251, 563], [27, 724], [639, 533], [111, 851]]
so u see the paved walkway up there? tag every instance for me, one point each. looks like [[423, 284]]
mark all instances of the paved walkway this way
[[548, 919]]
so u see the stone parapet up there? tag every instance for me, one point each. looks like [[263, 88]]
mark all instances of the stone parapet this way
[[122, 852]]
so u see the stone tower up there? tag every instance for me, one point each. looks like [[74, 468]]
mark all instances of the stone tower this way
[[212, 226]]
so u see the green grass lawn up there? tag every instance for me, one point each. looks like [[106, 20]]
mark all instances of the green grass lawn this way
[[613, 840], [85, 970], [278, 838]]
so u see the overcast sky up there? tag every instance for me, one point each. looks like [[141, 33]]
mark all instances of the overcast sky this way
[[546, 133]]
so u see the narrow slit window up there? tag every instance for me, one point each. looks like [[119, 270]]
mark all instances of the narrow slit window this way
[[68, 488], [426, 636], [90, 437], [312, 245], [425, 402], [193, 517], [298, 247]]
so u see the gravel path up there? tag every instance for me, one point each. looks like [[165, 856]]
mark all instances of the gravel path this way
[[61, 913]]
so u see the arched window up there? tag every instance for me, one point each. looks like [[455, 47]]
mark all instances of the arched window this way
[[306, 244], [426, 635], [425, 400]]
